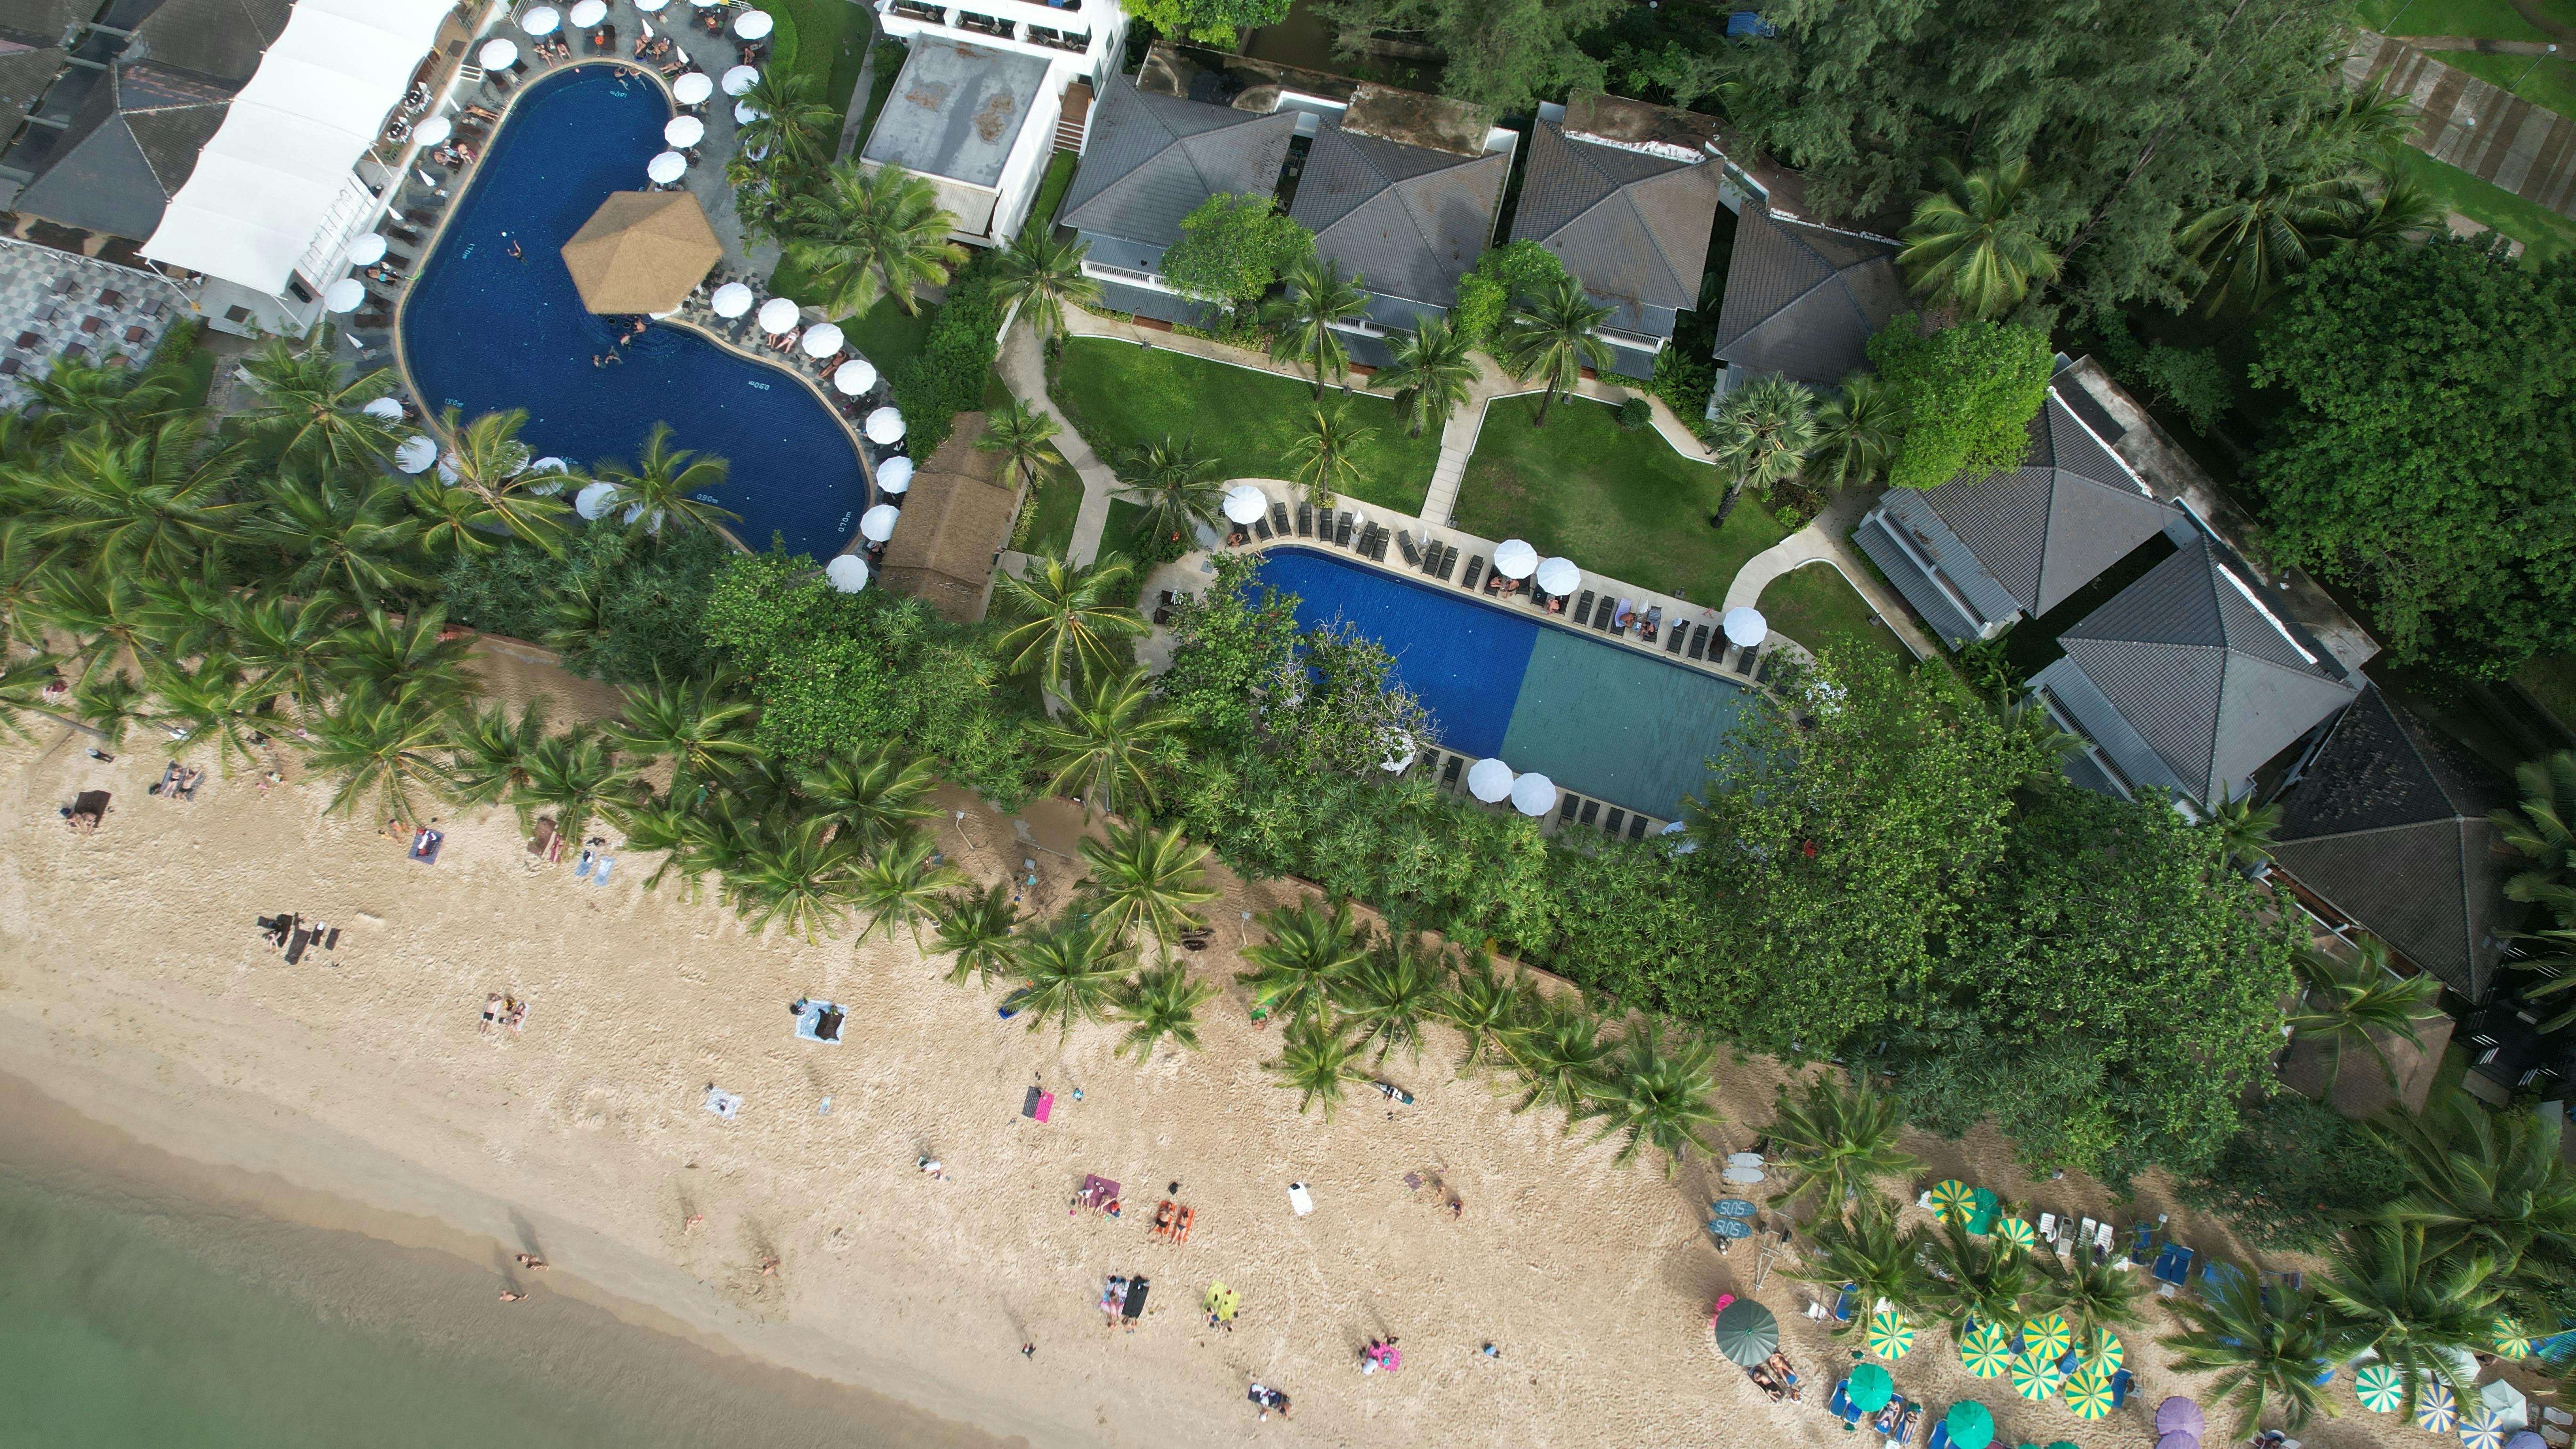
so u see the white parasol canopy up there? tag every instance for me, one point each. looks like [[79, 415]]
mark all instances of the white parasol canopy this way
[[367, 250], [739, 79], [433, 132], [1559, 576], [587, 13], [1533, 794], [1400, 752], [499, 53], [447, 473], [894, 475], [778, 315], [344, 295], [854, 377], [848, 573], [693, 89], [682, 132], [595, 500], [822, 339], [731, 300], [666, 167], [383, 407], [753, 24], [541, 20], [706, 4], [744, 113], [1244, 503], [885, 427], [2506, 1402], [1745, 627], [416, 453], [1489, 780], [650, 6], [1514, 559], [877, 524], [548, 465]]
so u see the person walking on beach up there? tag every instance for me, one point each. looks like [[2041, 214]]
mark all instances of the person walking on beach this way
[[511, 1295]]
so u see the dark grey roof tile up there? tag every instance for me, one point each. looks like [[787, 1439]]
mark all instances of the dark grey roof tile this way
[[1411, 220], [1149, 160], [1633, 228]]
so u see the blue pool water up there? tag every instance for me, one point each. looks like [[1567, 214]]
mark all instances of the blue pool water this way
[[1607, 720], [485, 331]]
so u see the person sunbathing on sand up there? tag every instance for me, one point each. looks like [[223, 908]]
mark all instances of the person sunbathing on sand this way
[[531, 1260], [491, 1010]]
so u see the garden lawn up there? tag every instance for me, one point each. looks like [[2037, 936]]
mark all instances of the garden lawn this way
[[1052, 503], [1618, 503], [1819, 608], [1120, 395], [2544, 233], [831, 42], [885, 335], [2486, 19]]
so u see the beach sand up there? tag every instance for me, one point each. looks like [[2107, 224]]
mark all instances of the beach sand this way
[[359, 1091]]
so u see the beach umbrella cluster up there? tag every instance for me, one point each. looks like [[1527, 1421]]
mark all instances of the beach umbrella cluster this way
[[2088, 1392], [2035, 1374]]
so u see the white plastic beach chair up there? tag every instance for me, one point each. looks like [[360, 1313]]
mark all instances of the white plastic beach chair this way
[[2048, 1226], [2102, 1237]]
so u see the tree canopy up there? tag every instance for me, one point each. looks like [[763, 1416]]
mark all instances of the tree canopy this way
[[1500, 53], [1233, 247], [1965, 394], [1211, 22]]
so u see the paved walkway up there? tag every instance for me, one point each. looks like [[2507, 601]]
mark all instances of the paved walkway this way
[[1023, 366], [2480, 128], [1827, 540]]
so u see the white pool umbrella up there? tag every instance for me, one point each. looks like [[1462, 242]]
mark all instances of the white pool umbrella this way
[[499, 53], [706, 4], [822, 339], [693, 89], [1489, 780], [854, 377], [1533, 794], [541, 20], [416, 453], [666, 167], [877, 524], [1514, 559], [344, 295], [1745, 627], [778, 315], [744, 113], [434, 131], [752, 24], [1244, 503], [367, 250], [383, 407], [1399, 752], [594, 500], [682, 132], [544, 466], [885, 427], [740, 79], [447, 473], [1559, 576], [731, 300], [894, 475], [848, 573], [587, 13], [650, 6]]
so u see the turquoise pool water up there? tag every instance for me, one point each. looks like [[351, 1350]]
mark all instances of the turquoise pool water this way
[[1607, 720]]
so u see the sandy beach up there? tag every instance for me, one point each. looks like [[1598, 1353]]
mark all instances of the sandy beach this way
[[359, 1091]]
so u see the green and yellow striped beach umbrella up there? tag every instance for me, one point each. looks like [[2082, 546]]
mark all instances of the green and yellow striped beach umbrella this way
[[2049, 1333], [2510, 1339], [1986, 1351], [2381, 1389], [1950, 1200], [2088, 1393], [2035, 1374], [1890, 1336], [2103, 1350], [2018, 1233]]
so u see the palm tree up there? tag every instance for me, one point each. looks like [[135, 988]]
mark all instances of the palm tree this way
[[23, 683], [695, 724], [1326, 455], [342, 529], [1070, 972], [381, 747], [1163, 1002], [1554, 337], [1310, 950], [2562, 961], [108, 701], [1973, 243], [1068, 617], [1856, 433], [1303, 322], [1102, 747], [1762, 435], [493, 485], [1868, 1251], [664, 484], [1838, 1142], [1318, 1061], [288, 642], [1431, 373], [2248, 245], [403, 658], [795, 875], [2360, 1001], [1983, 1280], [795, 129], [1039, 275], [2096, 1297], [493, 750], [663, 823], [2538, 831], [1177, 484], [108, 614], [81, 395], [1654, 1097], [903, 883], [2393, 1292], [975, 927], [2486, 1182], [151, 502], [215, 704], [2398, 213], [575, 772], [871, 793], [1025, 439], [312, 409], [1387, 994], [2265, 1345], [864, 234], [2244, 829], [1148, 878], [1481, 1005], [1557, 1049]]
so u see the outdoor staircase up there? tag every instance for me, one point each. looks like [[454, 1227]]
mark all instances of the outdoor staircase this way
[[1073, 117], [1068, 134]]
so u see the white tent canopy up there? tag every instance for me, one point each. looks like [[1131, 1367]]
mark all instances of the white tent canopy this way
[[1489, 780], [264, 187], [1533, 794]]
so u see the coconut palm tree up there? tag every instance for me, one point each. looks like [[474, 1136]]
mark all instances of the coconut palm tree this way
[[1145, 879], [2096, 1297], [666, 824], [1856, 432], [1554, 336], [288, 643], [1325, 457], [975, 927], [216, 704], [492, 751], [1868, 1251], [493, 488], [2244, 829], [314, 410], [1654, 1095], [80, 395], [794, 875], [1432, 371], [1317, 1060], [1178, 485], [403, 658], [1304, 321], [575, 772], [2393, 1291], [1024, 437], [1104, 744], [1308, 952], [902, 883], [2486, 1182], [1387, 994], [796, 130], [383, 749], [1983, 1280], [108, 616], [2397, 212], [108, 701], [1068, 617], [2248, 245], [1838, 1141], [2264, 1344], [23, 683], [871, 794], [862, 235], [150, 503], [1070, 972], [345, 530], [696, 724], [1974, 244], [1040, 275], [1481, 1005], [1162, 1003], [2344, 1002], [186, 615], [2538, 833], [1762, 435], [1558, 1051], [2561, 959], [664, 485]]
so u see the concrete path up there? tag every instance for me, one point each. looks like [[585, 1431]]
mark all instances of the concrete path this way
[[1023, 367], [2480, 128], [857, 108], [1827, 540]]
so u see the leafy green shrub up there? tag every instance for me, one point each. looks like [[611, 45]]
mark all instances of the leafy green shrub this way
[[1636, 413], [616, 606], [2191, 379], [1967, 392], [782, 41], [1521, 269], [1684, 377], [2295, 1172], [948, 377]]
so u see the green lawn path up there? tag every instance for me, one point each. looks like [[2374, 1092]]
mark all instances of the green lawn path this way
[[1819, 608]]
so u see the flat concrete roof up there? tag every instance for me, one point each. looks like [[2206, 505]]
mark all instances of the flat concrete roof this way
[[955, 111]]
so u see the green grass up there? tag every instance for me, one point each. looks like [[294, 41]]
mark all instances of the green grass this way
[[1052, 187], [2486, 19], [2546, 81], [2544, 232], [831, 40], [1120, 395], [1119, 532], [1056, 498], [890, 58], [886, 336], [1818, 607], [1618, 503]]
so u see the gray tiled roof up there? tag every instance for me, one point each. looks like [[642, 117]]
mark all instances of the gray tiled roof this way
[[2043, 533], [2209, 680], [24, 74], [1877, 538], [128, 151], [219, 39], [2060, 438], [42, 22], [1633, 228], [1804, 300], [1409, 219], [1909, 512], [1149, 160]]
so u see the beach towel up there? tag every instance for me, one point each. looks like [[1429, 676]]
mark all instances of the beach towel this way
[[581, 868], [820, 1021], [1036, 1105], [1221, 1302], [1300, 1201], [1135, 1305], [723, 1103], [425, 845], [599, 877]]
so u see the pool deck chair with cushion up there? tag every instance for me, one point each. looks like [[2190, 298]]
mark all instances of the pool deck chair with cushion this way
[[1744, 661], [1448, 561], [1342, 530], [1261, 526], [1412, 555], [1699, 642], [1324, 524], [1279, 517], [1583, 608], [1475, 571], [1674, 645], [2173, 1268], [1305, 520]]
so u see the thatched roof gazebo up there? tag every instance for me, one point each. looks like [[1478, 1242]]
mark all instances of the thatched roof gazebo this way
[[642, 251]]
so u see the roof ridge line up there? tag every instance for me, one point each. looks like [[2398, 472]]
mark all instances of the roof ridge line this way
[[1657, 242]]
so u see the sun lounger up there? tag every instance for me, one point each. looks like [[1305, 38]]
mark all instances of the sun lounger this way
[[1591, 808], [1744, 659], [1449, 772], [1583, 608], [1611, 823], [1261, 527], [2173, 1269], [1279, 517], [296, 943], [1378, 554], [2121, 1382], [2102, 1239], [1680, 636], [1565, 806], [1305, 520], [1324, 524], [599, 877], [1448, 561], [1475, 571], [1342, 530], [2142, 1241], [1636, 827], [1840, 1405], [1699, 642], [1412, 555]]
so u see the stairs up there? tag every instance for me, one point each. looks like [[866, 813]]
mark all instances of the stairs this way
[[1068, 134], [1072, 118]]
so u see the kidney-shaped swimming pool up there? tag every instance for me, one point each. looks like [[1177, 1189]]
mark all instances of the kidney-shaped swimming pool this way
[[484, 329]]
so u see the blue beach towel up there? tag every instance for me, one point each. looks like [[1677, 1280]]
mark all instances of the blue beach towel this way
[[600, 876]]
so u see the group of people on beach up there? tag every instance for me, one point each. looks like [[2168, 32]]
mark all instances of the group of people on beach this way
[[1774, 1377]]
